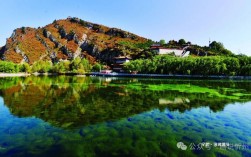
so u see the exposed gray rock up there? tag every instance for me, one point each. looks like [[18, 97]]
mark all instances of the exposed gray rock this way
[[58, 45], [17, 50], [65, 50], [53, 55], [25, 58], [75, 38], [77, 52], [70, 55], [46, 33], [42, 41], [56, 26], [13, 35], [52, 38]]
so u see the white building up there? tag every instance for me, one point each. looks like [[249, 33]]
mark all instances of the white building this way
[[164, 51]]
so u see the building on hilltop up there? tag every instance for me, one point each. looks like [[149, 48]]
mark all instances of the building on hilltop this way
[[159, 50]]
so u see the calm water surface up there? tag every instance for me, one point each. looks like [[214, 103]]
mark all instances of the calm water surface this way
[[95, 116]]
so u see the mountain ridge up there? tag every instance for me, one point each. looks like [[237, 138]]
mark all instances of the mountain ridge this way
[[66, 39]]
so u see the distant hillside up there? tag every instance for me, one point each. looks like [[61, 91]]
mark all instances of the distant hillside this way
[[69, 38]]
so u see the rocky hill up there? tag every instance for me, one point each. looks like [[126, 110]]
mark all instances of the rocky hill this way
[[69, 38]]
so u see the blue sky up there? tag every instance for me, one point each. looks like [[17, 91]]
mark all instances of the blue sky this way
[[226, 21]]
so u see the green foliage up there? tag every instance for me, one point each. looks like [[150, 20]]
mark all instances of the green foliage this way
[[162, 42], [61, 67], [25, 67], [8, 67], [146, 45], [226, 52], [79, 65], [218, 46], [213, 65], [86, 65], [83, 23], [23, 30], [214, 49], [41, 66], [182, 41], [96, 27], [97, 67]]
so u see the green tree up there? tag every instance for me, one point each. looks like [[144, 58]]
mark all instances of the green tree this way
[[162, 42], [62, 67], [218, 46], [211, 65], [8, 67], [23, 30], [41, 66], [97, 67], [75, 64], [182, 42], [25, 67]]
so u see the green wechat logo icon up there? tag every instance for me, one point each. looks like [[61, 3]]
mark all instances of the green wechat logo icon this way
[[181, 146]]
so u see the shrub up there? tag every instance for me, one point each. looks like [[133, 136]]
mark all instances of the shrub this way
[[8, 67]]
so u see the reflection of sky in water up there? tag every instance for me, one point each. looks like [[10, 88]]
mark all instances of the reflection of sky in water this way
[[154, 133]]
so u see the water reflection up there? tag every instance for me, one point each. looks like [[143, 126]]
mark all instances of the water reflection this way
[[84, 116], [76, 101]]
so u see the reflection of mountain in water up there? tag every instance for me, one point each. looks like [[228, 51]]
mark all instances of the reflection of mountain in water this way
[[76, 101]]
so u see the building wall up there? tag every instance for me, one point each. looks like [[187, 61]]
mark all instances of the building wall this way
[[168, 51]]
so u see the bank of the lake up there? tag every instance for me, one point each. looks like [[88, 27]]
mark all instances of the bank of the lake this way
[[169, 76], [14, 74]]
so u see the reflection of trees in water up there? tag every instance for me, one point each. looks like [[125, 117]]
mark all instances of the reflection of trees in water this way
[[77, 101]]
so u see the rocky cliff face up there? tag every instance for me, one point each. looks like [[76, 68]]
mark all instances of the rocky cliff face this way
[[67, 39]]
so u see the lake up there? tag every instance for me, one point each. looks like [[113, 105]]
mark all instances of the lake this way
[[98, 116]]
